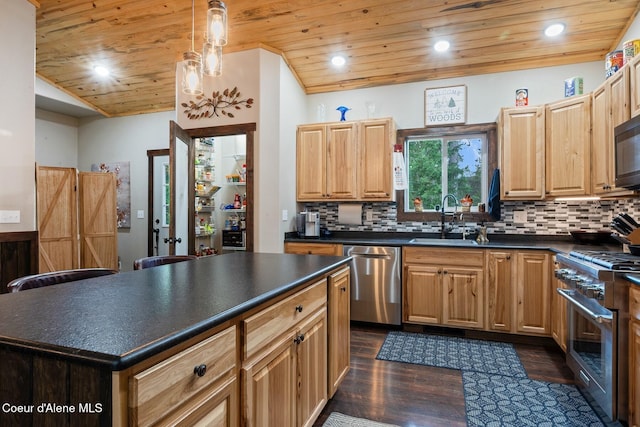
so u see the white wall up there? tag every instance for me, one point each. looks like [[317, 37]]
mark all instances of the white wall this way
[[17, 118], [292, 113], [486, 94], [126, 139], [56, 139]]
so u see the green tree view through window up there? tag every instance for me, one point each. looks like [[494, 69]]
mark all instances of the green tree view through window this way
[[440, 165]]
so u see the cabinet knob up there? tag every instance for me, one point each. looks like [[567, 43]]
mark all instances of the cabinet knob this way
[[439, 271], [200, 370], [343, 289], [299, 339], [299, 308], [508, 257], [445, 272]]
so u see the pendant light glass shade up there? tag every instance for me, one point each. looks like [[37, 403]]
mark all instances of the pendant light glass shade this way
[[192, 73], [212, 59], [217, 23]]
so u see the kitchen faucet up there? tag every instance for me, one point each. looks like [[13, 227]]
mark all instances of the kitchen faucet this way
[[443, 231]]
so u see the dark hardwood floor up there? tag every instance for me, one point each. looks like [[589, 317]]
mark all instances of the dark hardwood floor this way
[[414, 395]]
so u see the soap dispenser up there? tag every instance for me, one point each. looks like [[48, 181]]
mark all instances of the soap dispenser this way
[[482, 235]]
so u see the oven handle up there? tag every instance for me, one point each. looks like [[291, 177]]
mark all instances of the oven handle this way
[[598, 318]]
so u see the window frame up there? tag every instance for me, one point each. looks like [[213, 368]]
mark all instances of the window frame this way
[[490, 129]]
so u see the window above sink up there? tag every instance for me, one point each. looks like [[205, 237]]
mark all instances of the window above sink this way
[[433, 172]]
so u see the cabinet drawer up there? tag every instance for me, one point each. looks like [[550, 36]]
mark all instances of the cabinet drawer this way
[[634, 302], [160, 389], [313, 248], [265, 326], [444, 256]]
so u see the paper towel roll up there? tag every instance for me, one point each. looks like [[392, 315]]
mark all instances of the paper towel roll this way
[[350, 214]]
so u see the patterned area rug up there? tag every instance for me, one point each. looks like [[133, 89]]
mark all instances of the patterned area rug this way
[[336, 419], [452, 352], [496, 387], [496, 400]]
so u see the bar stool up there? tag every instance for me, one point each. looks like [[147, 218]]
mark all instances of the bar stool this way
[[55, 277], [153, 261]]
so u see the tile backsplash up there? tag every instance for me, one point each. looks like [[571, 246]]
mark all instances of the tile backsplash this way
[[542, 217]]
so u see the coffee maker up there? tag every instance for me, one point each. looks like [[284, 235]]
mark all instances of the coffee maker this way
[[308, 224]]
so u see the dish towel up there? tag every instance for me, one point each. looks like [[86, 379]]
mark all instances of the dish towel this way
[[493, 204]]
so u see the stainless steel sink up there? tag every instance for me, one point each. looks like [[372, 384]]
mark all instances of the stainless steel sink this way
[[444, 242]]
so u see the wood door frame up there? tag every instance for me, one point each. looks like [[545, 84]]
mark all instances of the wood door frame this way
[[247, 129], [151, 155]]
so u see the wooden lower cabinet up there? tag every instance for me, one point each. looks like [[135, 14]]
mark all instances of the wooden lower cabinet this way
[[444, 286], [533, 292], [286, 385], [518, 287], [559, 315], [339, 332], [634, 356]]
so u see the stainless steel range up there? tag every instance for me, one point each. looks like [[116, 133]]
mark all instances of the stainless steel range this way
[[598, 324]]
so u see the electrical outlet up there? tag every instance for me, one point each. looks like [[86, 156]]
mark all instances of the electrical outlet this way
[[520, 217], [140, 214], [369, 215]]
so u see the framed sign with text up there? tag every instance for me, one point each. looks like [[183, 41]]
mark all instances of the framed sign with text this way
[[445, 105]]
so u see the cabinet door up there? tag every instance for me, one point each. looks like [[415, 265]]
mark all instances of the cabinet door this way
[[532, 293], [218, 407], [568, 147], [341, 161], [634, 86], [268, 384], [500, 272], [463, 301], [313, 248], [311, 367], [311, 155], [339, 333], [422, 294], [375, 178], [522, 153], [559, 315], [601, 143], [634, 373]]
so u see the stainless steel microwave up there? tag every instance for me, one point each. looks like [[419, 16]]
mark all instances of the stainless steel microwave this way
[[627, 153]]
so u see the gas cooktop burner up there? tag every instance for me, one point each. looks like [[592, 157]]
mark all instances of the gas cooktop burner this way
[[609, 260]]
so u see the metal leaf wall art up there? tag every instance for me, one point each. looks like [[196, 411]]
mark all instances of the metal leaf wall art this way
[[218, 104]]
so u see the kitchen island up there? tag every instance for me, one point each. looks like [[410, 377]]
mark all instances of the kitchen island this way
[[92, 352]]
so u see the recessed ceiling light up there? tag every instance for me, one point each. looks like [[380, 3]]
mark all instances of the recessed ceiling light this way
[[441, 46], [554, 30], [101, 71], [338, 61]]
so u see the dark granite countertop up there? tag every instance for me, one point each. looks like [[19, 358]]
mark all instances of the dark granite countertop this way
[[554, 243], [122, 319]]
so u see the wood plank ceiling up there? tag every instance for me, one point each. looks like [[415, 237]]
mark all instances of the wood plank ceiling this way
[[385, 41]]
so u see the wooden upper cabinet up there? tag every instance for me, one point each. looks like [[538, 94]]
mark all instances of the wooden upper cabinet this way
[[326, 161], [375, 168], [634, 86], [311, 162], [568, 147], [341, 161], [610, 107], [345, 161], [522, 152]]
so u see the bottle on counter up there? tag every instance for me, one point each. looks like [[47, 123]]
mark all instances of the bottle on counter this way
[[237, 203]]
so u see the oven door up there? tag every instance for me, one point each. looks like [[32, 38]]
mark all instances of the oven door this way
[[591, 348]]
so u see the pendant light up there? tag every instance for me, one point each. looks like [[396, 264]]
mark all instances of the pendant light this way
[[192, 64], [217, 23], [212, 59]]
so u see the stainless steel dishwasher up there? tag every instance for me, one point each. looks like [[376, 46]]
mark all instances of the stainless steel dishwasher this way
[[375, 284]]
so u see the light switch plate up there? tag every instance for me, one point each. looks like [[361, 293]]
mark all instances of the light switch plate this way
[[140, 214], [9, 217], [369, 215], [285, 215]]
